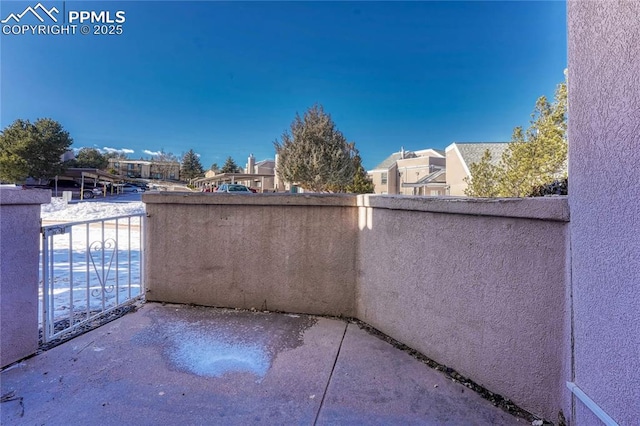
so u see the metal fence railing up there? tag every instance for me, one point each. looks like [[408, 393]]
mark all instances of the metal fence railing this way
[[88, 269]]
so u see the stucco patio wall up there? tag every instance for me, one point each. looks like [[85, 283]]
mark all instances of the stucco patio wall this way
[[268, 252], [19, 256], [477, 285], [604, 176]]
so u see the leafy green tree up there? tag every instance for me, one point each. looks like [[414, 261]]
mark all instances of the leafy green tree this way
[[90, 158], [315, 154], [230, 166], [535, 158], [214, 168], [32, 150], [191, 167]]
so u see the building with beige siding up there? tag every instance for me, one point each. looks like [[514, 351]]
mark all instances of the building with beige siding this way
[[411, 173], [460, 155], [257, 175], [166, 170]]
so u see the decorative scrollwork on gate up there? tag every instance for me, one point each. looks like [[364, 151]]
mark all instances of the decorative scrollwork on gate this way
[[102, 254]]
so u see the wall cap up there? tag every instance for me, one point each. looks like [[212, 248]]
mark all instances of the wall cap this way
[[19, 196], [542, 208], [272, 199], [555, 208]]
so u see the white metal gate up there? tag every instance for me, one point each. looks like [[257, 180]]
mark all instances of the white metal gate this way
[[88, 269]]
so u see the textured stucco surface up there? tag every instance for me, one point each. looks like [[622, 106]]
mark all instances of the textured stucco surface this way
[[477, 285], [19, 254], [483, 295], [281, 253], [547, 208], [272, 199], [185, 365], [604, 148]]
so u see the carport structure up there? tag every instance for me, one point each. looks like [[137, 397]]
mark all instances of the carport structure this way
[[93, 177], [249, 179]]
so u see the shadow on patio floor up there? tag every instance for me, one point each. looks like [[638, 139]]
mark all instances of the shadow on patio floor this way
[[182, 365]]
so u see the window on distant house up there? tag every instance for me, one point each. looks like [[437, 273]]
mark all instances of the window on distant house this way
[[383, 178]]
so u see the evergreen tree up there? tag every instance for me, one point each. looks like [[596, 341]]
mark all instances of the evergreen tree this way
[[90, 158], [484, 178], [534, 159], [362, 183], [214, 168], [538, 156], [32, 150], [230, 166], [191, 167], [315, 154]]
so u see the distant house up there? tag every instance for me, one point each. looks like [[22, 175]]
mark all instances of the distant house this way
[[169, 170], [460, 155], [257, 175], [432, 184], [411, 173], [264, 171]]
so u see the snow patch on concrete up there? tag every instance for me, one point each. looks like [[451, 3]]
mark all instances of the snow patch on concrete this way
[[210, 354]]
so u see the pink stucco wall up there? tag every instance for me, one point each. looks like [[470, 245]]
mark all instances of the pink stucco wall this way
[[19, 254], [285, 252], [604, 180], [477, 285]]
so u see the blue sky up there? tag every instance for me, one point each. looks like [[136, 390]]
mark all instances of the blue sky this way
[[227, 78]]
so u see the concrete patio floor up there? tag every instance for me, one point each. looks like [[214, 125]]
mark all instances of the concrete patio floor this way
[[182, 365]]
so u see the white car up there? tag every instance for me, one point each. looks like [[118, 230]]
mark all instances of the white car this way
[[127, 188]]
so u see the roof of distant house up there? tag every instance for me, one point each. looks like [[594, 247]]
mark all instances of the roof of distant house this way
[[437, 176], [389, 161], [472, 152], [437, 151], [393, 158]]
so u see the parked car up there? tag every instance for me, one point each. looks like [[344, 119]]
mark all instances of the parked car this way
[[128, 187], [103, 188], [70, 185], [234, 188]]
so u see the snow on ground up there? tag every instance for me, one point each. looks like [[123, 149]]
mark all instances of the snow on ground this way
[[92, 266], [58, 210]]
